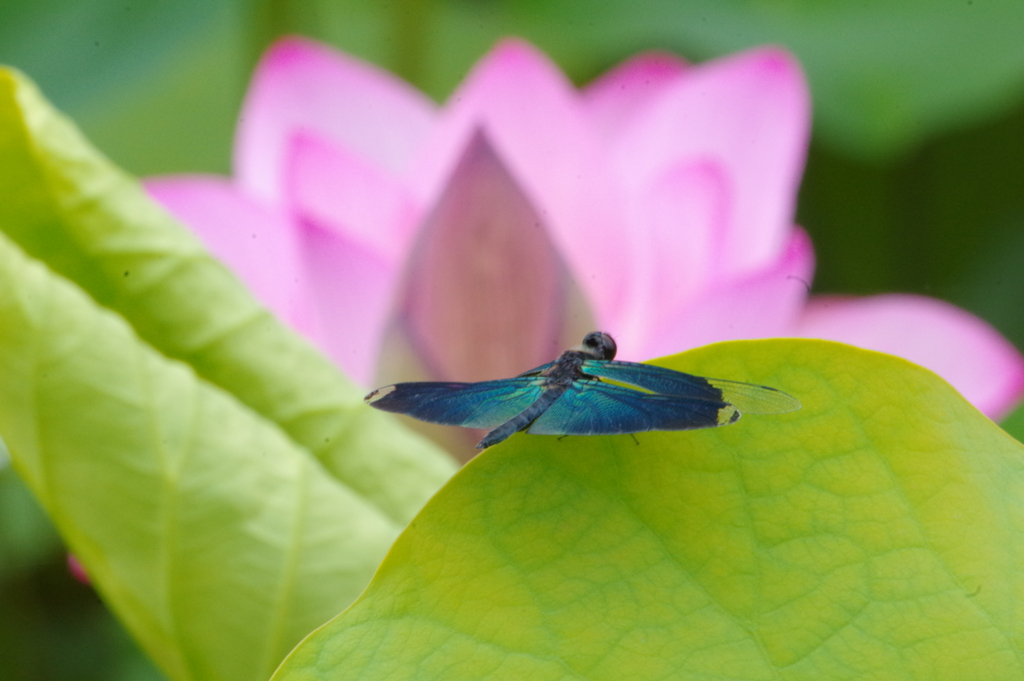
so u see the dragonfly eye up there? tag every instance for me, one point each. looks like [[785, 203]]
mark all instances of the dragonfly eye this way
[[600, 345], [608, 346]]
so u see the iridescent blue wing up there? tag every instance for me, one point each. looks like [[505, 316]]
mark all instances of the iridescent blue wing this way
[[747, 397], [472, 405], [590, 407]]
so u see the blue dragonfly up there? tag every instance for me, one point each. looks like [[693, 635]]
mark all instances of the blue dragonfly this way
[[584, 392]]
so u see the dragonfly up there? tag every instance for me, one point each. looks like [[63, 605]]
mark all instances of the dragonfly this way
[[583, 392]]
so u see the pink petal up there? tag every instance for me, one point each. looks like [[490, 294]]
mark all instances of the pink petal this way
[[77, 570], [303, 86], [363, 202], [353, 288], [612, 100], [763, 305], [259, 243], [486, 293], [986, 369], [749, 116], [675, 244], [533, 118]]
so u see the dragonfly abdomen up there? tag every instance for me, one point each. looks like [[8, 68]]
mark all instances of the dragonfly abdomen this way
[[523, 419]]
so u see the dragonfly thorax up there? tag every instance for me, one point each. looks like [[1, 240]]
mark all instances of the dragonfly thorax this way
[[566, 369]]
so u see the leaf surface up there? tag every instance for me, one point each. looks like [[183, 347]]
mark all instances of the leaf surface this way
[[66, 205], [876, 533], [223, 485]]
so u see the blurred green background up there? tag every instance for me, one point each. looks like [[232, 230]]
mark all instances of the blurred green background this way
[[915, 180]]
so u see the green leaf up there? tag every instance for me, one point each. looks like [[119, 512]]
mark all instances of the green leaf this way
[[69, 207], [873, 534], [218, 541], [224, 486]]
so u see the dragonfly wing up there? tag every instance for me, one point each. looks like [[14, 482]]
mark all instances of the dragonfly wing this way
[[472, 405], [755, 399], [594, 408], [747, 397]]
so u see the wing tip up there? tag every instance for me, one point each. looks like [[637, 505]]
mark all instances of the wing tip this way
[[728, 414], [751, 398], [379, 394], [786, 403]]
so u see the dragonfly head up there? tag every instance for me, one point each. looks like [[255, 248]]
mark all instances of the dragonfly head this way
[[599, 345]]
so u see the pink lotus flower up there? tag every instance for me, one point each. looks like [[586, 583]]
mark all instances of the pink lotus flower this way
[[478, 239]]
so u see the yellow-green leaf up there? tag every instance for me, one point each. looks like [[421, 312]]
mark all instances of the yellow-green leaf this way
[[214, 537], [68, 206], [224, 486], [878, 533]]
